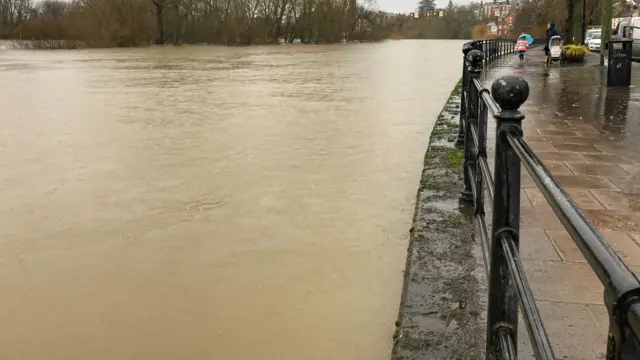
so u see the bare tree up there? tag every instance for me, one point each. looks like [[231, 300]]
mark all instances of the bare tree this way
[[231, 22]]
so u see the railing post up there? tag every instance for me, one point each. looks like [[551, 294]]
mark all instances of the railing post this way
[[466, 48], [622, 343], [485, 49], [480, 154], [490, 49], [474, 69], [494, 48], [624, 309], [510, 92]]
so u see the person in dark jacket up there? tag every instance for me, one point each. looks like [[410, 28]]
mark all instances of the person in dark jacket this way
[[551, 32]]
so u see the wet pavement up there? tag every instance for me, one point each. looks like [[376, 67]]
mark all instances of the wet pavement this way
[[589, 138]]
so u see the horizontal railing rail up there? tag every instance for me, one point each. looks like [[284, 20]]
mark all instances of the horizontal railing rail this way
[[489, 52], [495, 48], [508, 284]]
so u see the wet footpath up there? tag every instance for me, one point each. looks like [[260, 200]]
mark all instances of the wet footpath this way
[[589, 138]]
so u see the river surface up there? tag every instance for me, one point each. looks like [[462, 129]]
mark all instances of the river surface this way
[[211, 203]]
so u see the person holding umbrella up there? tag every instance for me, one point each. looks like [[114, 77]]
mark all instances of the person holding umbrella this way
[[522, 44]]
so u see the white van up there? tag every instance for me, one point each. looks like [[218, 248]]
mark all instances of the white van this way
[[629, 28]]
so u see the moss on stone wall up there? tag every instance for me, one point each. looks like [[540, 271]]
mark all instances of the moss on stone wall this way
[[440, 311]]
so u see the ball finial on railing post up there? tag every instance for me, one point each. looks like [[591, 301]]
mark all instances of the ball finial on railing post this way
[[475, 59], [510, 92], [467, 47]]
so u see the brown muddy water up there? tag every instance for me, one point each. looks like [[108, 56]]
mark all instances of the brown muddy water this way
[[211, 203]]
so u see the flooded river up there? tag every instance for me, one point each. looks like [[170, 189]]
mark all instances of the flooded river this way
[[211, 203]]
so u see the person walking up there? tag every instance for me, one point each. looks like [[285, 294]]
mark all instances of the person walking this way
[[521, 46], [551, 32]]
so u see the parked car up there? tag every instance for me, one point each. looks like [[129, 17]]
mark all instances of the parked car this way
[[589, 34], [629, 28], [595, 42]]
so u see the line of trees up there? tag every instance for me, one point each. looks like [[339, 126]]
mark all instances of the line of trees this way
[[104, 23], [566, 14], [425, 6], [531, 17]]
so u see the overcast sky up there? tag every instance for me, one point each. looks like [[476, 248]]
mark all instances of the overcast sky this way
[[400, 6]]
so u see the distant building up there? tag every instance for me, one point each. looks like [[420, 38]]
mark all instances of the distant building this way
[[505, 25], [427, 14], [625, 8], [494, 10], [387, 18], [492, 28]]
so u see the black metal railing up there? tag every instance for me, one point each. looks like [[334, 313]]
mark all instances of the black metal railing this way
[[495, 48], [490, 51], [508, 285]]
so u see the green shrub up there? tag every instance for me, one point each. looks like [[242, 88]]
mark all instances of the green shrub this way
[[575, 50]]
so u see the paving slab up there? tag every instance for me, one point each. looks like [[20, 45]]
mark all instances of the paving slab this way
[[588, 136], [581, 339]]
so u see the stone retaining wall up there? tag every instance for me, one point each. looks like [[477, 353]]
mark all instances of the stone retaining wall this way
[[442, 308]]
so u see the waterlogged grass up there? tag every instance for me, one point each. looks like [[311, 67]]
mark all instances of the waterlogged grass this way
[[447, 123], [454, 158], [443, 160], [452, 125]]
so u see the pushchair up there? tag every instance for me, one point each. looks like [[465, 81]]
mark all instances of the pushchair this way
[[555, 49]]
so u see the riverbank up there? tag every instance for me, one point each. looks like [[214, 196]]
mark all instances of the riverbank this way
[[440, 314], [77, 44], [42, 44]]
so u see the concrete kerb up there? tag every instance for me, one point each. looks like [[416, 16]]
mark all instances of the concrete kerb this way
[[443, 301]]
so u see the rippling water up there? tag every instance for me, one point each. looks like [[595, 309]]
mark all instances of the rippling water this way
[[211, 203]]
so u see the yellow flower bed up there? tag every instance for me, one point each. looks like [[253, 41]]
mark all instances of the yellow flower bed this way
[[575, 50]]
